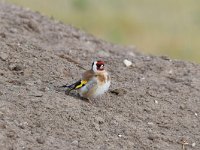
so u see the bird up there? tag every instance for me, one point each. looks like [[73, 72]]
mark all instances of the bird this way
[[93, 83]]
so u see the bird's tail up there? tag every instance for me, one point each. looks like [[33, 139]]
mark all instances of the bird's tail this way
[[69, 87]]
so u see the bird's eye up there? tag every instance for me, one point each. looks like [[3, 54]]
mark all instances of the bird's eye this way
[[98, 65]]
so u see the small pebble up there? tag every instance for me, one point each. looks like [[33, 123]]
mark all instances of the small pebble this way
[[148, 58], [28, 72], [193, 144], [1, 114], [182, 107], [30, 83], [15, 67], [96, 126], [43, 89], [170, 72], [40, 140], [3, 35], [99, 120], [142, 78], [10, 134], [127, 63], [3, 56], [156, 101], [22, 125], [2, 126], [119, 92], [119, 135], [2, 72], [151, 137], [75, 143], [195, 114], [165, 58], [150, 123], [13, 30]]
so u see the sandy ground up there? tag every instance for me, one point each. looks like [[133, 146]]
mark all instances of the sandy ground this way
[[152, 105]]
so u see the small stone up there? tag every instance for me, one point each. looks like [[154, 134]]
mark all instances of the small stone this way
[[75, 143], [193, 144], [15, 67], [2, 72], [119, 92], [142, 78], [150, 123], [196, 114], [38, 81], [16, 82], [40, 140], [13, 30], [170, 72], [10, 134], [165, 57], [28, 72], [2, 126], [3, 56], [96, 126], [151, 137], [3, 35], [156, 101], [119, 135], [127, 63], [148, 58], [30, 83], [1, 113], [99, 120], [22, 125], [182, 107], [33, 26], [43, 89], [18, 44]]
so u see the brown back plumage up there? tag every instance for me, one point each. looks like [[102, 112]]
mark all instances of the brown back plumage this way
[[88, 75]]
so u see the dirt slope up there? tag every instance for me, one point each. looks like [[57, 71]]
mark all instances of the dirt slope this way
[[157, 106]]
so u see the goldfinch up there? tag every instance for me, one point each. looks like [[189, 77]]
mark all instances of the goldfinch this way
[[94, 82]]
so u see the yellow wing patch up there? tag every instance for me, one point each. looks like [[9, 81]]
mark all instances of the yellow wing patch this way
[[82, 83]]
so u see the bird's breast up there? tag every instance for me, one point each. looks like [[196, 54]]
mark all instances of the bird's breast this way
[[102, 88]]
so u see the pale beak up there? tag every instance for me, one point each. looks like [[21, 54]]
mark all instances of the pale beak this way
[[101, 67]]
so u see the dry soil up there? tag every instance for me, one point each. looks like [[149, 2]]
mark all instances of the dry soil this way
[[152, 105]]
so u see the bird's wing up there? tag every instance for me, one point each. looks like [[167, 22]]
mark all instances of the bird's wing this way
[[91, 84], [89, 89], [80, 84], [76, 85], [90, 77], [86, 77]]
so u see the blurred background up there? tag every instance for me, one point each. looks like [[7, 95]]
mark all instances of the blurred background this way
[[170, 27]]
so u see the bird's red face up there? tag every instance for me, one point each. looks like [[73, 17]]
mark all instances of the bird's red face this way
[[98, 66]]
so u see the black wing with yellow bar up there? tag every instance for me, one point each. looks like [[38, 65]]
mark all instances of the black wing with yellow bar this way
[[76, 85]]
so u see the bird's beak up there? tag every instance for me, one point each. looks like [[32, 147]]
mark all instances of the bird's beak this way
[[101, 67]]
